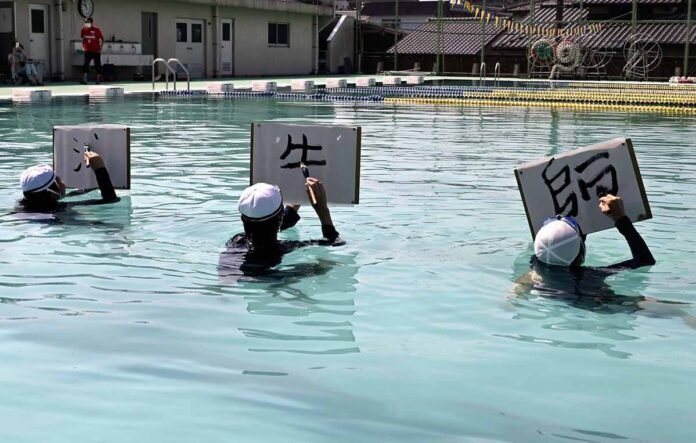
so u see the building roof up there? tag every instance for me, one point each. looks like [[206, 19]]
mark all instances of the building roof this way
[[629, 2], [459, 37], [524, 6], [614, 35], [428, 9], [545, 17]]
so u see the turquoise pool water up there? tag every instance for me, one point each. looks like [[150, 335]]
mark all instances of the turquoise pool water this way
[[116, 326]]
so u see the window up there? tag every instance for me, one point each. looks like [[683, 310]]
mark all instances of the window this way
[[181, 32], [37, 21], [279, 34], [196, 33], [226, 32]]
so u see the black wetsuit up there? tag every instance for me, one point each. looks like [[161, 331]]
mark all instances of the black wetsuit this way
[[239, 260], [106, 189], [585, 286]]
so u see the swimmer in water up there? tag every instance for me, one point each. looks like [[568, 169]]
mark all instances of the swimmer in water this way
[[43, 189]]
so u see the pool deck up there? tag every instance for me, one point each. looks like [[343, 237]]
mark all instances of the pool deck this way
[[72, 89]]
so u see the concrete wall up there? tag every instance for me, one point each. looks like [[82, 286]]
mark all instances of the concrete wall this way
[[252, 54], [341, 44]]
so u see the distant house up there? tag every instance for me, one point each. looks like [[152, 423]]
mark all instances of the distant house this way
[[212, 38], [462, 39]]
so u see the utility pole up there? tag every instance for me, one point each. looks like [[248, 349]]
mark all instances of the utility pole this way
[[396, 35], [358, 39], [687, 39], [531, 22], [483, 33], [438, 58]]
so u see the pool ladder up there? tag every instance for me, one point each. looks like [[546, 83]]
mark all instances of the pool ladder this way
[[496, 74], [168, 65]]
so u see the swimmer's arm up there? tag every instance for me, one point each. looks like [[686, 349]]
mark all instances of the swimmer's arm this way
[[106, 188], [317, 195], [612, 206], [639, 249]]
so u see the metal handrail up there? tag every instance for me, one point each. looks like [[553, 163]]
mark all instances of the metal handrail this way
[[496, 73], [166, 74], [188, 76], [482, 74]]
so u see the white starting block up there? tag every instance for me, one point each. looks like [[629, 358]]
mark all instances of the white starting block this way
[[302, 85], [220, 88], [30, 95], [99, 91], [414, 80], [364, 82], [336, 83], [263, 86], [391, 81]]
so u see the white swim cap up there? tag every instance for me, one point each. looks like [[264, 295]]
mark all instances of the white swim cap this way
[[260, 202], [37, 178], [557, 243]]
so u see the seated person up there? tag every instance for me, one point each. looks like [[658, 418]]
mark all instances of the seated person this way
[[258, 250], [43, 189], [22, 67]]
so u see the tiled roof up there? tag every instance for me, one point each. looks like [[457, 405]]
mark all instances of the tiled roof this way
[[628, 2], [524, 6], [409, 8], [459, 37], [544, 17], [614, 35]]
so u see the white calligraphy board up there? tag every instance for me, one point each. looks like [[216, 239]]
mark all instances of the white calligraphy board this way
[[571, 184], [111, 142], [277, 149]]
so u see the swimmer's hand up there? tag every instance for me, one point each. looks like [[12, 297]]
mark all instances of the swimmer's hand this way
[[93, 160], [612, 206], [316, 188]]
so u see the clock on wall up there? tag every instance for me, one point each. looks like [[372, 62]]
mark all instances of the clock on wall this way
[[85, 8]]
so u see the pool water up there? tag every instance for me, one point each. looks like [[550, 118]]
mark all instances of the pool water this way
[[117, 326]]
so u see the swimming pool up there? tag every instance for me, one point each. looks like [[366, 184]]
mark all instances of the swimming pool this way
[[117, 327]]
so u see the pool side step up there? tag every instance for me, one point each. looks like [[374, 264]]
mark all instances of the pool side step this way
[[220, 87], [336, 83], [30, 94], [105, 91], [302, 85], [365, 82], [391, 81], [263, 86], [414, 80]]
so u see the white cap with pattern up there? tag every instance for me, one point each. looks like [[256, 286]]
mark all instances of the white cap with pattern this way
[[260, 201], [37, 178], [557, 243]]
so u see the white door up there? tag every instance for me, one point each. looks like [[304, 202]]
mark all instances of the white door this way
[[190, 45], [38, 38], [227, 47]]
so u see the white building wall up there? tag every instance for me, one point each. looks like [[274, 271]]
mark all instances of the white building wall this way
[[122, 20]]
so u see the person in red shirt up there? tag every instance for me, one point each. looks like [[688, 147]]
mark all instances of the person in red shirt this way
[[92, 40]]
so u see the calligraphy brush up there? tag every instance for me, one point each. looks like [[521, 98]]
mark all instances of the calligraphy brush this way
[[305, 172]]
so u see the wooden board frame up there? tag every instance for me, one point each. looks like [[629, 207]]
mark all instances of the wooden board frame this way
[[128, 156], [608, 143], [358, 154]]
